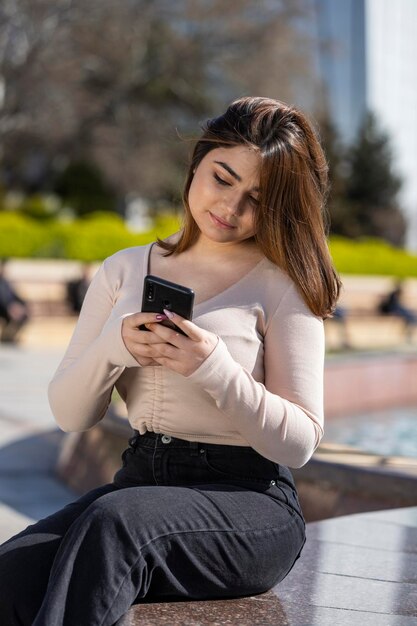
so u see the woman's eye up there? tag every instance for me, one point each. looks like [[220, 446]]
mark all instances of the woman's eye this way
[[254, 201], [221, 181]]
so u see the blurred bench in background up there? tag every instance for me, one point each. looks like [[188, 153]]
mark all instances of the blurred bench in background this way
[[364, 326]]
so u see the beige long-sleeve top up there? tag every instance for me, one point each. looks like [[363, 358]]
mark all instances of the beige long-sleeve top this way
[[262, 386]]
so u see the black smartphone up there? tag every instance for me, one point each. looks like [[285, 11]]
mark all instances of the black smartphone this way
[[160, 294]]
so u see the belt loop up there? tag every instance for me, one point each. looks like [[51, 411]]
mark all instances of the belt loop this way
[[194, 448]]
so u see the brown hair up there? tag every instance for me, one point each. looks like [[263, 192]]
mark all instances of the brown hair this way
[[290, 219]]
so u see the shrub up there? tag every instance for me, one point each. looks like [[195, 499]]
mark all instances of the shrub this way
[[91, 238], [20, 236], [373, 257], [39, 207], [100, 234]]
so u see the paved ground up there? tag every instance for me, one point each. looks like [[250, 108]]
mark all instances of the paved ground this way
[[29, 438]]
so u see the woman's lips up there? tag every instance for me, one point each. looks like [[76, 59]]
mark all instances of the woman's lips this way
[[218, 222]]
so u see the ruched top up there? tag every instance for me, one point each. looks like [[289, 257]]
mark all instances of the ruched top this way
[[262, 386]]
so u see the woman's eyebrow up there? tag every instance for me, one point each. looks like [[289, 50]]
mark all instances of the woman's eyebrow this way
[[229, 169], [233, 173]]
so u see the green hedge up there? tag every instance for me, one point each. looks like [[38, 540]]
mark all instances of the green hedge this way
[[91, 238], [99, 235], [20, 236], [372, 257]]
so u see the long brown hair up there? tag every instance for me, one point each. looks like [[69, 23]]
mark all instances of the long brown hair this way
[[290, 219]]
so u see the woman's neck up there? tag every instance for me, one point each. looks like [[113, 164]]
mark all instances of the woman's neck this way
[[207, 249]]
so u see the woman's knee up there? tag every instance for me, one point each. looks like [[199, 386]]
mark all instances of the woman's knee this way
[[107, 507], [102, 517]]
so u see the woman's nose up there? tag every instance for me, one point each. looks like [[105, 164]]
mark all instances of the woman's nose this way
[[235, 203]]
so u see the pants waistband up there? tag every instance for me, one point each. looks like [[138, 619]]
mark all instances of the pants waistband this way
[[156, 439], [204, 461], [161, 440]]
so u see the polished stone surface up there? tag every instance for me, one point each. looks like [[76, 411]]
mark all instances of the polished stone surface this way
[[263, 609], [355, 570]]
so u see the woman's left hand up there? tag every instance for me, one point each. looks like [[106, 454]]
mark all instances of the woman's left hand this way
[[182, 354]]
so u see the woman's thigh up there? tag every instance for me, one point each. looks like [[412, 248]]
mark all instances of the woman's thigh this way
[[204, 541]]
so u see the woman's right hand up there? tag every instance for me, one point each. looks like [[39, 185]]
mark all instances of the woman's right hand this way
[[137, 341]]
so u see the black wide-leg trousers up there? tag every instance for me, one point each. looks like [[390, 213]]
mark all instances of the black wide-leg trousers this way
[[181, 520]]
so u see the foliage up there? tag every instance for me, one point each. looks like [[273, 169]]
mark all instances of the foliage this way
[[364, 187], [39, 207], [20, 236], [372, 186], [335, 155], [372, 180], [82, 187], [371, 256], [125, 84], [99, 235], [91, 238]]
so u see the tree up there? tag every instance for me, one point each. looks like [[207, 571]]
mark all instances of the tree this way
[[82, 187], [337, 206], [372, 186], [119, 83]]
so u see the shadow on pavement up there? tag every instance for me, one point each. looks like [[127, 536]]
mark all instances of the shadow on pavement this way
[[28, 483]]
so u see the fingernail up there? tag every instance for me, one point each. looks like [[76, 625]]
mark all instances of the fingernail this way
[[169, 314], [160, 317]]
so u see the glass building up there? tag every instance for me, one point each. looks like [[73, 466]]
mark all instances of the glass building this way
[[366, 58]]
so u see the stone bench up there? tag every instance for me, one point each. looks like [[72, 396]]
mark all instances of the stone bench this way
[[367, 329]]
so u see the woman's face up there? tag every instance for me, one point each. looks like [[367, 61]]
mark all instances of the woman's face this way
[[224, 194]]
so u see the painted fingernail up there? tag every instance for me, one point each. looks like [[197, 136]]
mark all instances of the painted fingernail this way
[[169, 314], [160, 317]]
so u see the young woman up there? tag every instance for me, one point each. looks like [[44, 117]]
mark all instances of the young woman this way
[[204, 505]]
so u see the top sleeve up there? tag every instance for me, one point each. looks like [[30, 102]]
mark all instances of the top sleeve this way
[[283, 418], [80, 391]]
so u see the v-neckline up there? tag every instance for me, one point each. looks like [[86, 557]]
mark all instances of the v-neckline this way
[[146, 270]]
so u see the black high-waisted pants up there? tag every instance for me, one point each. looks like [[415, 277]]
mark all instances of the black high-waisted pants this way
[[180, 521]]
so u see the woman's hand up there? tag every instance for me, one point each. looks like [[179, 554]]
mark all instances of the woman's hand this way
[[140, 342], [182, 354]]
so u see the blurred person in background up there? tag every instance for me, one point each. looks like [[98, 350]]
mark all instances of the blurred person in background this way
[[13, 309], [204, 505], [76, 289], [340, 317], [392, 304]]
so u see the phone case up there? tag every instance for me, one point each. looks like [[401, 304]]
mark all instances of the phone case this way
[[160, 294]]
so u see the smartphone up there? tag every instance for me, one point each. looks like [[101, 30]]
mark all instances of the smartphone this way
[[160, 294]]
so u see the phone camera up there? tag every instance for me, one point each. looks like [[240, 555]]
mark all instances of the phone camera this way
[[150, 293]]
